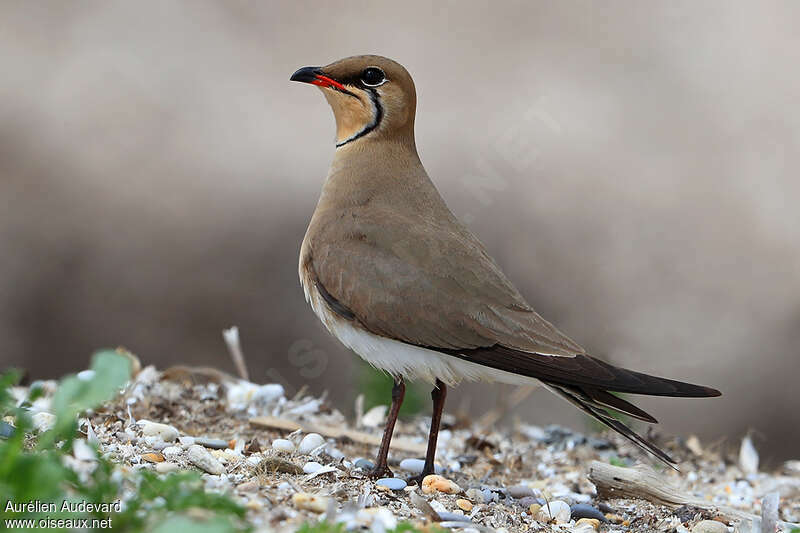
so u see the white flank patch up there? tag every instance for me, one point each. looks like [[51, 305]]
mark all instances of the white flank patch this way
[[401, 359]]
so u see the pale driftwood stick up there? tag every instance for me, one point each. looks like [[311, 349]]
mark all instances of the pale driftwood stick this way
[[231, 336], [336, 432], [491, 417], [643, 483]]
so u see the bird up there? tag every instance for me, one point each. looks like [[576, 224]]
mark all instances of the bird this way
[[395, 276]]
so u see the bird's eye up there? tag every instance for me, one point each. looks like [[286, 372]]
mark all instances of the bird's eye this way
[[372, 77]]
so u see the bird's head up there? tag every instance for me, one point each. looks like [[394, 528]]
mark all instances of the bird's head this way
[[372, 97]]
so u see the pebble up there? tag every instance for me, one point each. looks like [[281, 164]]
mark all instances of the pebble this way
[[336, 454], [415, 466], [6, 429], [166, 467], [203, 460], [520, 491], [186, 441], [270, 392], [283, 445], [710, 526], [153, 457], [166, 432], [555, 510], [453, 517], [214, 444], [582, 510], [436, 483], [43, 421], [310, 442], [593, 522], [374, 417], [364, 464], [527, 501], [534, 509], [310, 502], [311, 467], [464, 505], [391, 483], [172, 450]]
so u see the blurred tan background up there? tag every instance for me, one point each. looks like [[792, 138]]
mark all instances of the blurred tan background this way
[[632, 166]]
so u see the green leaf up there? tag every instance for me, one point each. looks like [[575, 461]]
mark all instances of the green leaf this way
[[215, 524], [8, 379], [74, 395]]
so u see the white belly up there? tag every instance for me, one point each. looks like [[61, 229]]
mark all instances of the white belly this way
[[404, 360]]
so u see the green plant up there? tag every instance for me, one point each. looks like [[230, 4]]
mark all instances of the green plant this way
[[377, 385], [34, 470]]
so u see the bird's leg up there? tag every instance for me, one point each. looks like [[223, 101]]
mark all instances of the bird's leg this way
[[438, 396], [381, 468]]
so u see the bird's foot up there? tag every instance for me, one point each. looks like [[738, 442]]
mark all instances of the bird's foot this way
[[380, 471], [418, 478]]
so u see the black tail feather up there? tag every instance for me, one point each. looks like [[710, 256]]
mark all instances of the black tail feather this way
[[593, 409]]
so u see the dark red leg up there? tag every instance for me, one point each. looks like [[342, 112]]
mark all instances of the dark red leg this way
[[381, 468], [438, 396]]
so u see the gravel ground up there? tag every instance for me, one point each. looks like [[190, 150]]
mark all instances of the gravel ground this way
[[528, 478]]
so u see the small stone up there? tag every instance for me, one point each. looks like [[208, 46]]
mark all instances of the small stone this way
[[310, 442], [214, 444], [283, 445], [374, 417], [415, 466], [202, 459], [336, 454], [520, 491], [269, 393], [710, 526], [165, 432], [582, 510], [364, 464], [391, 483], [186, 441], [170, 451], [453, 517], [554, 510], [43, 421], [593, 522], [166, 467], [311, 467], [534, 509], [475, 494], [464, 505], [528, 500], [6, 430], [310, 502], [615, 518], [437, 483], [153, 457], [249, 486]]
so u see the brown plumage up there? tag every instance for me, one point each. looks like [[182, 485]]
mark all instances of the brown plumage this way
[[396, 277]]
